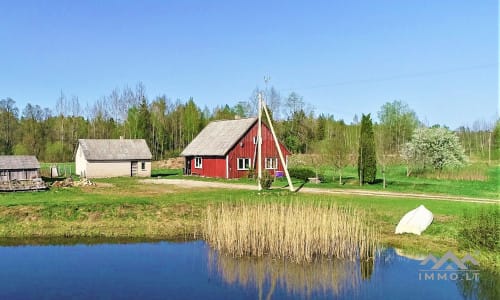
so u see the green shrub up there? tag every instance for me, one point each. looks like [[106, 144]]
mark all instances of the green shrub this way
[[301, 173], [267, 180], [480, 229], [252, 174], [323, 178]]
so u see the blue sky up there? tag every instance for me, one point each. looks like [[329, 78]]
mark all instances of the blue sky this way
[[343, 57]]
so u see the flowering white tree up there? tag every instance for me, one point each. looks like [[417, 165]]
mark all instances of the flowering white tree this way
[[436, 147]]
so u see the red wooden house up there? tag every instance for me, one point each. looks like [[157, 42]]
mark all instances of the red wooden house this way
[[228, 149]]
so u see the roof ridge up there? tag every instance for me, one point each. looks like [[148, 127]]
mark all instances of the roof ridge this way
[[225, 120], [107, 140]]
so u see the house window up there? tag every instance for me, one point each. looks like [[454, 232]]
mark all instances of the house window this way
[[243, 163], [143, 166], [271, 163], [198, 163]]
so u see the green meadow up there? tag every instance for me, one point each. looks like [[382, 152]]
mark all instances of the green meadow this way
[[477, 180], [125, 208]]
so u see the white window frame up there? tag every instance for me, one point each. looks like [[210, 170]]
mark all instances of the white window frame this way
[[245, 166], [198, 162], [273, 166]]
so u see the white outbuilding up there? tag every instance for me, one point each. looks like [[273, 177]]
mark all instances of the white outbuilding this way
[[97, 158]]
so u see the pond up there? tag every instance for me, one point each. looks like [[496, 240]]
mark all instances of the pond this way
[[191, 270]]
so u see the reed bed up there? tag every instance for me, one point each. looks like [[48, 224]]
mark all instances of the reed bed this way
[[297, 231]]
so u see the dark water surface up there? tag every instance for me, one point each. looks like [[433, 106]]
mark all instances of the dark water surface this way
[[190, 270]]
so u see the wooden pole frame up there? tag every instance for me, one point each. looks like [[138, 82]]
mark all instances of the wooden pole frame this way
[[259, 145], [276, 143]]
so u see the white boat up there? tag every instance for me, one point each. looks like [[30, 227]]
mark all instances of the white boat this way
[[415, 221]]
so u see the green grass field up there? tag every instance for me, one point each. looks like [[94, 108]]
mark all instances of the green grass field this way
[[488, 186], [125, 208], [397, 181], [477, 180]]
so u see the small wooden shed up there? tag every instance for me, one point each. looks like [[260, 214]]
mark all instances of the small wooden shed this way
[[113, 158], [18, 167], [20, 173]]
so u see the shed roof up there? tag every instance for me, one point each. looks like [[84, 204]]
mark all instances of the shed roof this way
[[18, 162], [116, 149], [218, 137]]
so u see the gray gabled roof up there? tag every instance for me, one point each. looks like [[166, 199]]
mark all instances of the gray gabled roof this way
[[117, 149], [218, 137], [18, 162]]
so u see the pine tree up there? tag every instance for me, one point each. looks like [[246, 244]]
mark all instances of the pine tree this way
[[367, 161]]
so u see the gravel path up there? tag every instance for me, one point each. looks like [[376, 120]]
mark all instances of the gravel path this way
[[186, 183]]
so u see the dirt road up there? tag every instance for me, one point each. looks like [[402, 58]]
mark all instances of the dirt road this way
[[188, 184]]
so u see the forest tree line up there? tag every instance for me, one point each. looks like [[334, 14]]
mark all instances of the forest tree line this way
[[168, 126]]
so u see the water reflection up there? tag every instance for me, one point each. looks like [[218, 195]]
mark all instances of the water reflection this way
[[366, 268], [190, 270], [485, 287], [323, 277]]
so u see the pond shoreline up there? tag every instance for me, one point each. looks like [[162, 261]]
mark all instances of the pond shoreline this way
[[126, 211]]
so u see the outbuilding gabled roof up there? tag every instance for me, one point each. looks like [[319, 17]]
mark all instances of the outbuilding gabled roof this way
[[18, 162], [218, 137], [117, 149]]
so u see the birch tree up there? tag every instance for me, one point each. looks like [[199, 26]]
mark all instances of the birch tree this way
[[399, 122]]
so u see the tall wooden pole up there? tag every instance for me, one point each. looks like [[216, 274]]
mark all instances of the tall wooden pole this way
[[259, 145], [277, 144]]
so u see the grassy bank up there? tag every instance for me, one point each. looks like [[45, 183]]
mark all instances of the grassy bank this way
[[123, 208]]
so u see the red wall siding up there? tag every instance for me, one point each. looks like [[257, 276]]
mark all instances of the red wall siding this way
[[212, 166], [245, 148]]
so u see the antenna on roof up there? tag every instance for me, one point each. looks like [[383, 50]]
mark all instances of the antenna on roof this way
[[267, 78]]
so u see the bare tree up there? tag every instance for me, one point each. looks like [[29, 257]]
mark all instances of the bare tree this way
[[61, 108], [76, 111], [116, 105], [294, 103], [274, 102], [140, 93]]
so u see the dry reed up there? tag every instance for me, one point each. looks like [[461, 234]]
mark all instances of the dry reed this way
[[298, 232]]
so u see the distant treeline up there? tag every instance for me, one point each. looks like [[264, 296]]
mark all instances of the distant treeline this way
[[168, 126]]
